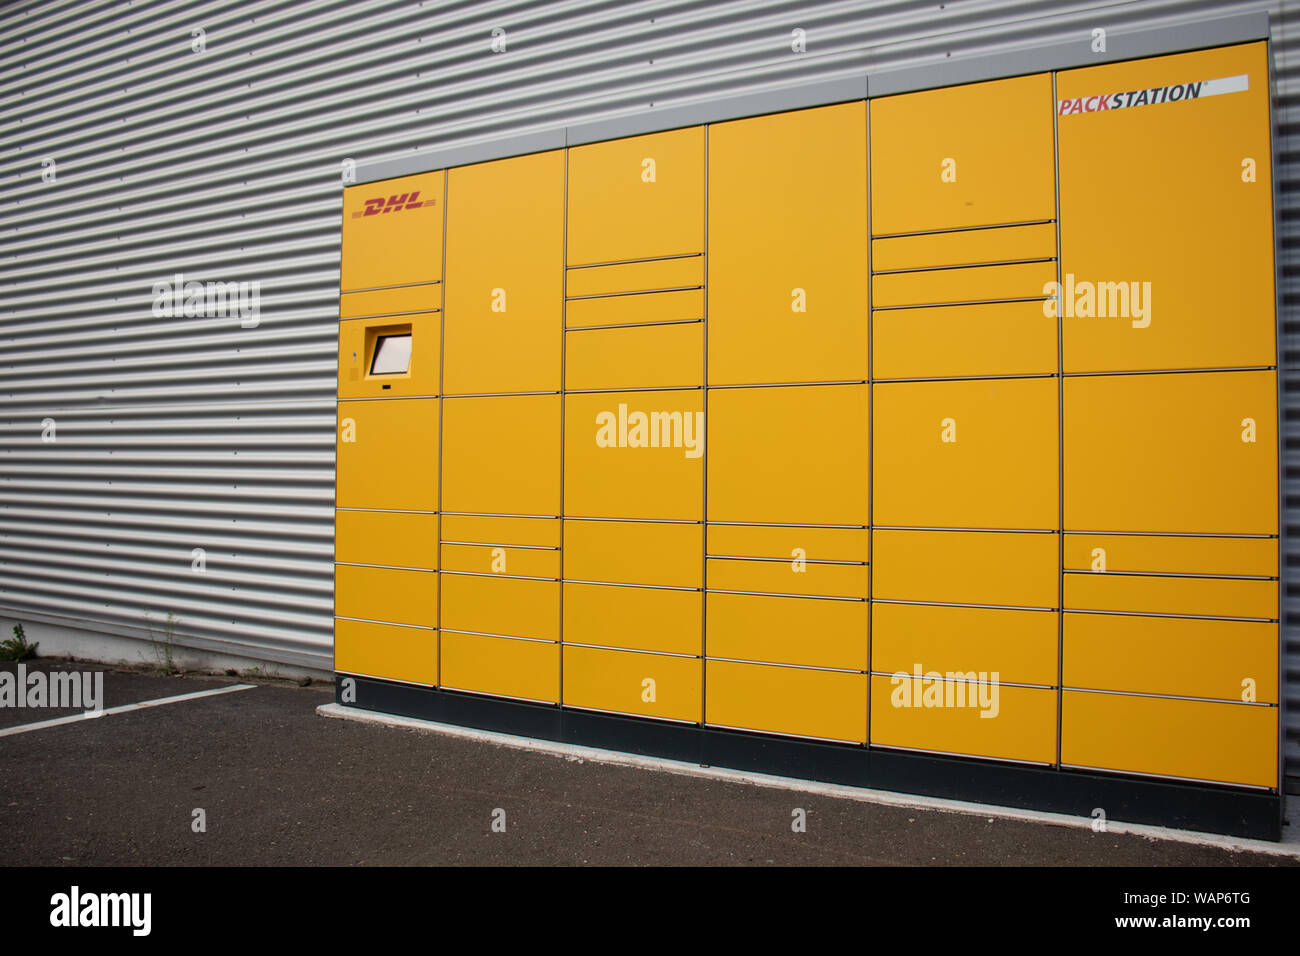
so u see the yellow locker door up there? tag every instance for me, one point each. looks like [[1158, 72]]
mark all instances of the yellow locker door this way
[[1194, 452], [634, 455], [1196, 739], [637, 198], [502, 454], [388, 454], [973, 155], [830, 705], [966, 454], [386, 651], [392, 232], [505, 285], [792, 455], [1166, 192], [787, 247]]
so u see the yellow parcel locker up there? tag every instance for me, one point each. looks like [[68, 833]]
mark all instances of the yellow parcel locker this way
[[788, 543], [789, 455], [396, 539], [387, 651], [812, 578], [988, 338], [506, 607], [392, 232], [1152, 594], [1173, 554], [505, 288], [626, 682], [388, 454], [966, 454], [1196, 739], [502, 666], [1177, 656], [639, 356], [634, 455], [637, 198], [788, 630], [393, 595], [973, 155], [1194, 452], [1166, 201], [829, 705], [637, 618], [499, 559], [634, 552], [788, 247], [367, 368], [966, 567], [1019, 647], [963, 716], [502, 454]]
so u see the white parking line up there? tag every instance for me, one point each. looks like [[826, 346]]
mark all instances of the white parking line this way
[[1288, 847], [124, 708]]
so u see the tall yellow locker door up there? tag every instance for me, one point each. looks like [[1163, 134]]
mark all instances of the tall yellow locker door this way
[[505, 255], [1166, 212], [788, 247]]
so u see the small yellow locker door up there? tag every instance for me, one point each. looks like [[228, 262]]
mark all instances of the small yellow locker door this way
[[1192, 452], [502, 454], [1166, 188], [637, 198], [392, 232], [788, 247], [634, 455], [973, 155], [966, 454], [505, 284], [793, 455]]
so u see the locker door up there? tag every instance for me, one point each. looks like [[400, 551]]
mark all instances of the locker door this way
[[502, 454], [1196, 739], [1192, 452], [793, 455], [973, 155], [787, 247], [788, 700], [388, 454], [1166, 188], [392, 232], [634, 455], [386, 651], [966, 454], [505, 284], [637, 198]]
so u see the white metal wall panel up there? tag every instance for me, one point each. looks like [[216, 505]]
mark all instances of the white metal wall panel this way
[[175, 434]]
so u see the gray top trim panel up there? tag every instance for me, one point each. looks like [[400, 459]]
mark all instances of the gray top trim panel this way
[[1130, 45], [715, 111], [1120, 45], [501, 148]]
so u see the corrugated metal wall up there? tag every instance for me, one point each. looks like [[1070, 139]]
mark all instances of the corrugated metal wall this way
[[176, 434]]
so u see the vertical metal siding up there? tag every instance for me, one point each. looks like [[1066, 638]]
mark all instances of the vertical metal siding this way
[[181, 433]]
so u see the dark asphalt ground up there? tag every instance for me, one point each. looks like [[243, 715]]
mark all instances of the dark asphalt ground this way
[[282, 785]]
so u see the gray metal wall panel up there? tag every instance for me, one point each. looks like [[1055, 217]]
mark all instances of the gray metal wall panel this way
[[182, 433]]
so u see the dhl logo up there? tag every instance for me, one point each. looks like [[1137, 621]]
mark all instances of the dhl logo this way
[[380, 205]]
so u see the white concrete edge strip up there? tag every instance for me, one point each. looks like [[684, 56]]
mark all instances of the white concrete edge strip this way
[[122, 709], [883, 797]]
